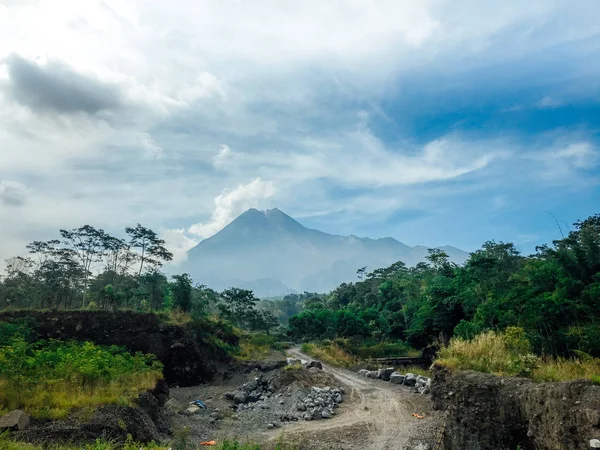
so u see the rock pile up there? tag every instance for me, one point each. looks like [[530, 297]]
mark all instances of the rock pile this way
[[252, 391], [421, 384], [320, 403]]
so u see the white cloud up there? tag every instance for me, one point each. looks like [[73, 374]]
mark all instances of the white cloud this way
[[224, 158], [231, 203], [582, 155], [152, 149]]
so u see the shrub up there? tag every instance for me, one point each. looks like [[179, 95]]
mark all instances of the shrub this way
[[505, 353], [49, 378]]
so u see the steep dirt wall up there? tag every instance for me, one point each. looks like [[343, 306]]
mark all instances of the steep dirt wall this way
[[186, 351], [492, 413]]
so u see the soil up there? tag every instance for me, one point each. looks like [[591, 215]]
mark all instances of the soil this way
[[374, 415], [489, 412]]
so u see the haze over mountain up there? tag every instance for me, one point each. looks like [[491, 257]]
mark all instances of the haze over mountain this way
[[273, 254]]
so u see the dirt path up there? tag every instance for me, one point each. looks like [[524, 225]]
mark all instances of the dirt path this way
[[377, 416]]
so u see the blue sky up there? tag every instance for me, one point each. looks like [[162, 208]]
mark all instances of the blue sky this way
[[434, 122]]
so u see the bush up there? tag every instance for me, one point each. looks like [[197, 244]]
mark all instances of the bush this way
[[507, 353], [330, 353], [49, 378]]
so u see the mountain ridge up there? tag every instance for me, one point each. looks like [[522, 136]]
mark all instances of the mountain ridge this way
[[273, 247]]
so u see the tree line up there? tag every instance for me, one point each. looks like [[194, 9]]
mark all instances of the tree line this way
[[553, 294], [87, 267]]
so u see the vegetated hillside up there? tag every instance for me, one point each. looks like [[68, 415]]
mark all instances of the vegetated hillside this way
[[273, 254], [553, 295], [189, 352]]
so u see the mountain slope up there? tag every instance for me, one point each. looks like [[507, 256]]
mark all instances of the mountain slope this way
[[274, 254]]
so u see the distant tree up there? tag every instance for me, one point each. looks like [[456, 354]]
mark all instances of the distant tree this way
[[181, 289], [152, 250]]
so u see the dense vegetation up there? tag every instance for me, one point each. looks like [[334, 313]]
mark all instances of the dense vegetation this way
[[49, 378], [554, 295], [89, 268]]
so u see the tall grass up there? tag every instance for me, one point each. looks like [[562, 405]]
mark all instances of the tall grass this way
[[330, 354], [509, 354], [100, 444]]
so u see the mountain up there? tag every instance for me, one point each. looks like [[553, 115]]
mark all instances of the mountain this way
[[273, 254]]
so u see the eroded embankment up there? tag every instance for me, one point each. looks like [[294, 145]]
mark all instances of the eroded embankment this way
[[188, 352], [490, 412]]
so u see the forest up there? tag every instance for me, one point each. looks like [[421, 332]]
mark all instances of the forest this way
[[553, 294]]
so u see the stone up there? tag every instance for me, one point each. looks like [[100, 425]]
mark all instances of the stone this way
[[325, 414], [372, 374], [338, 398], [270, 426], [422, 447], [281, 402], [293, 361], [421, 381], [307, 416], [173, 405], [316, 364], [193, 410], [15, 420], [593, 416], [410, 379], [251, 385], [363, 372], [385, 375], [595, 443], [300, 406], [396, 378], [240, 397], [316, 413]]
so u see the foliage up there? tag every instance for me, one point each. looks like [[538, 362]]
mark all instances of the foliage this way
[[330, 353], [255, 346], [49, 378], [500, 354], [552, 295]]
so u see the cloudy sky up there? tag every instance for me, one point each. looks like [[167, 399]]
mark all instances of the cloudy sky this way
[[432, 121]]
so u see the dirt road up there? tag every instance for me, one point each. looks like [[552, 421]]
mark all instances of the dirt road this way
[[377, 415]]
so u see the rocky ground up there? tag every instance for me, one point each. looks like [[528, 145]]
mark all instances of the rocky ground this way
[[309, 408]]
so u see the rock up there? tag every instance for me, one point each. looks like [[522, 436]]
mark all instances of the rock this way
[[316, 413], [595, 443], [385, 375], [363, 372], [396, 378], [281, 402], [173, 405], [410, 379], [325, 414], [240, 397], [372, 374], [338, 398], [15, 420], [250, 385], [593, 416], [217, 415], [270, 426], [316, 364], [293, 361], [193, 410], [421, 381], [300, 406], [307, 416], [421, 447]]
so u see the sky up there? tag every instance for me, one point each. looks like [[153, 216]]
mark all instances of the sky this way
[[432, 121]]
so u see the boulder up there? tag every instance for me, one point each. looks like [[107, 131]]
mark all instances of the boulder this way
[[316, 364], [293, 361], [15, 420], [173, 405], [410, 379], [316, 413], [421, 381], [240, 397], [385, 374], [325, 414], [193, 410], [338, 398], [396, 378], [363, 372]]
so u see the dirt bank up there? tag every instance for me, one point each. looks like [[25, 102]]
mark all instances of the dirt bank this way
[[186, 351], [489, 412]]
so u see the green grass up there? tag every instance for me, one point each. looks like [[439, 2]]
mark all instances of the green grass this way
[[414, 369], [100, 444], [255, 346], [48, 379]]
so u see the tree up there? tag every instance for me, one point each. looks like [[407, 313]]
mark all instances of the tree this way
[[152, 250], [181, 290]]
